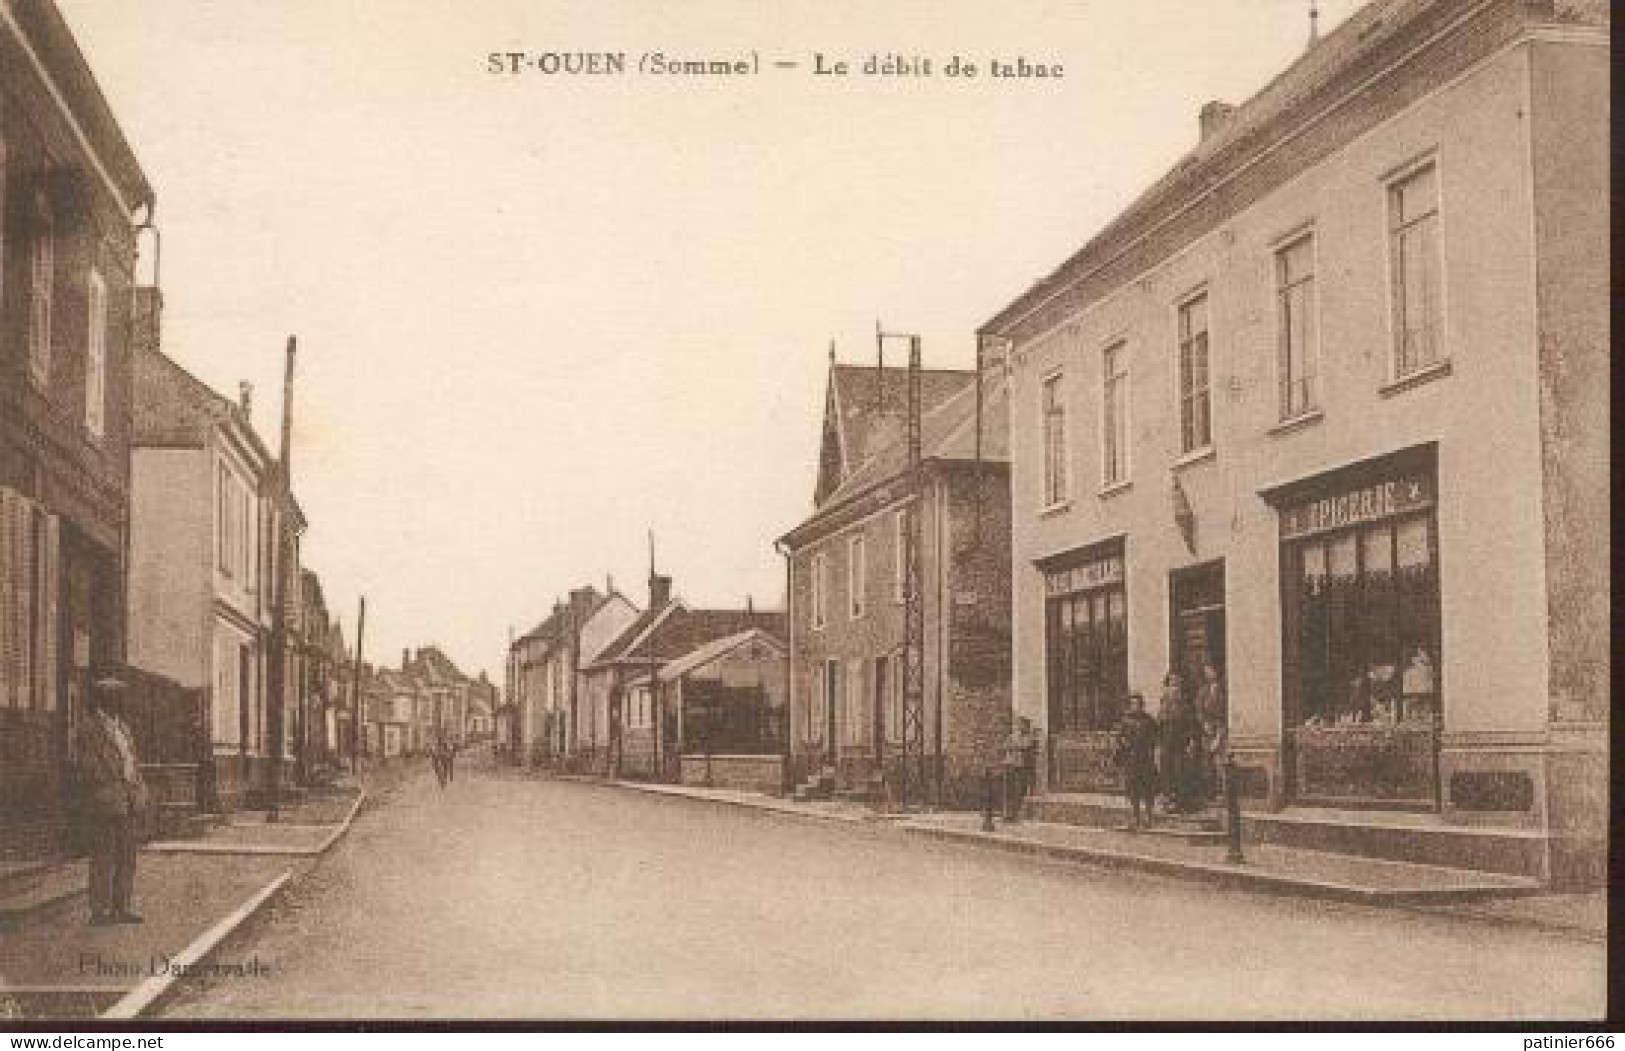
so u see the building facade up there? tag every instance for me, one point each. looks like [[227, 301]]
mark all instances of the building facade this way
[[847, 577], [1325, 409], [544, 670], [71, 190], [202, 558]]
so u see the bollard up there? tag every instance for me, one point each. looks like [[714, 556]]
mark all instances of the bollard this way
[[987, 802], [1232, 812]]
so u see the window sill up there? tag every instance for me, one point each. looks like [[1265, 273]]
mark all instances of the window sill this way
[[1437, 370], [1196, 456], [1298, 422], [1055, 509], [1109, 491]]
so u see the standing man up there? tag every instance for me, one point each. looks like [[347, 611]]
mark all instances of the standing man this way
[[1137, 759], [1019, 762], [113, 798]]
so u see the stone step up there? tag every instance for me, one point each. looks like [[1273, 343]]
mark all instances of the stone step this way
[[1422, 839]]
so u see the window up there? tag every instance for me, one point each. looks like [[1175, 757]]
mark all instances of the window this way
[[42, 269], [28, 603], [855, 712], [1086, 643], [225, 529], [96, 356], [857, 576], [899, 561], [1054, 410], [1295, 311], [1195, 399], [820, 590], [1362, 607], [1413, 225], [1114, 415]]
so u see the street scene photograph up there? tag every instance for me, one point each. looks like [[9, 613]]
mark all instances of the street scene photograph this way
[[554, 512]]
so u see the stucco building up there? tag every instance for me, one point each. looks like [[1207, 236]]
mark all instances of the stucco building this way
[[1326, 407], [202, 552], [846, 567], [544, 670]]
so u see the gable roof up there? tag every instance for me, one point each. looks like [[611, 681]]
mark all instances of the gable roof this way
[[675, 630], [716, 649], [947, 434], [865, 410]]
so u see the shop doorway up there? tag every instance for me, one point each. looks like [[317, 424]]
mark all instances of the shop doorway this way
[[1196, 623]]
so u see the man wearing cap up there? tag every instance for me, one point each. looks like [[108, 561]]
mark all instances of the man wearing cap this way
[[114, 797]]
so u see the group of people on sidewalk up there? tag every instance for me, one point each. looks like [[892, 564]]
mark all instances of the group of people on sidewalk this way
[[1175, 755]]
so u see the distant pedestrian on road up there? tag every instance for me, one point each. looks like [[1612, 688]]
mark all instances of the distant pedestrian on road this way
[[437, 759], [450, 759], [1137, 758], [113, 798]]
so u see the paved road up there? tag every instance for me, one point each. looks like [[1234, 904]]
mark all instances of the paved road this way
[[508, 897]]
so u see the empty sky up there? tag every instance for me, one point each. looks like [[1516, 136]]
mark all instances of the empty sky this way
[[540, 315]]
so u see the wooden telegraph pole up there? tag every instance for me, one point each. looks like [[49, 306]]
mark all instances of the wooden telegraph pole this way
[[277, 679]]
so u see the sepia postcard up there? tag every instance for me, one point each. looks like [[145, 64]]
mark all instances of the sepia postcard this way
[[562, 512]]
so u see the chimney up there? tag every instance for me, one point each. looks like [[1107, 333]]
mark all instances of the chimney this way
[[146, 322], [659, 590], [1214, 116], [581, 600], [245, 398], [609, 584], [406, 658]]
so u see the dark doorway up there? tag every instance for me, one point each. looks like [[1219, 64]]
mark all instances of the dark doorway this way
[[1196, 622]]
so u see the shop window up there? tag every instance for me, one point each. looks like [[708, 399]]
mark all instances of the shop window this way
[[1364, 604], [1086, 645]]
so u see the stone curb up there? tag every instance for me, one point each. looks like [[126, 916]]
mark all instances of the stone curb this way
[[204, 847], [151, 990]]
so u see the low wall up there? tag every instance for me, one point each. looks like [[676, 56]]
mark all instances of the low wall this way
[[754, 773]]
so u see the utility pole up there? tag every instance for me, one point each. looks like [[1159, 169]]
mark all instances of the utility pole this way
[[278, 677], [355, 690], [914, 778]]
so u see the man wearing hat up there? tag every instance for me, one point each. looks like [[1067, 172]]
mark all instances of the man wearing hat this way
[[114, 797]]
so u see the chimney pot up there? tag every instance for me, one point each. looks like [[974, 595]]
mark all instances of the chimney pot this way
[[659, 590], [406, 658], [245, 397]]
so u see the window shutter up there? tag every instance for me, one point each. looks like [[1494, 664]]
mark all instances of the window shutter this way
[[8, 612], [50, 561]]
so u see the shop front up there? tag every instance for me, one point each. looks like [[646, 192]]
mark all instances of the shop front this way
[[1361, 635], [1086, 664]]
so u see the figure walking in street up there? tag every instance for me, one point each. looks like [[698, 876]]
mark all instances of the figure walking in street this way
[[449, 759], [437, 759], [113, 798], [1137, 758]]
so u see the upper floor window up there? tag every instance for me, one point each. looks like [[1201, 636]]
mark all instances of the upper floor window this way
[[1195, 394], [41, 270], [1413, 233], [1054, 410], [820, 590], [857, 576], [96, 356], [1114, 415], [225, 522], [1295, 308]]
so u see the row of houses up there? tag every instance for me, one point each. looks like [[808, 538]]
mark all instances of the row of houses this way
[[1322, 414], [139, 509], [408, 710], [671, 691]]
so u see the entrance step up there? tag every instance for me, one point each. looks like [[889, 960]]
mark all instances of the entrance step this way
[[1423, 839]]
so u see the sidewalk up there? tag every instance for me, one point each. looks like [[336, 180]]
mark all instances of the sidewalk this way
[[1484, 897], [192, 894]]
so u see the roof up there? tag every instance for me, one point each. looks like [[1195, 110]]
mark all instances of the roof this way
[[50, 38], [947, 434], [675, 630], [872, 403], [1252, 126], [714, 649]]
